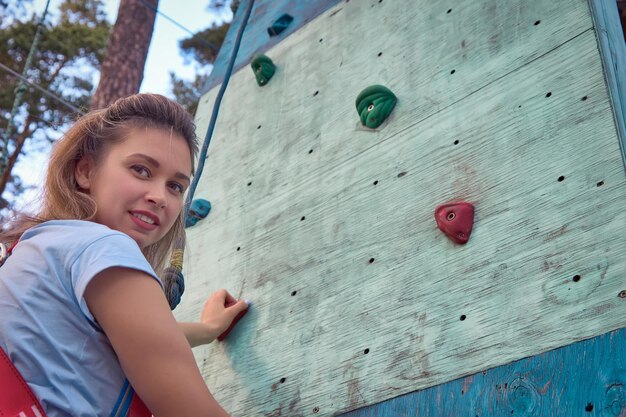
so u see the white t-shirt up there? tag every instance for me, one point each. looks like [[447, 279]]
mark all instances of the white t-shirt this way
[[46, 328]]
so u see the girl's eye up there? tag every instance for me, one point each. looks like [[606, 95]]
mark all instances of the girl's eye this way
[[177, 187], [141, 170]]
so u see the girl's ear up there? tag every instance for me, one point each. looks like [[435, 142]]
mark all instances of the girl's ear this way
[[83, 172]]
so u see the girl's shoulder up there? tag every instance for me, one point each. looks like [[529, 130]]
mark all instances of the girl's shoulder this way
[[73, 237], [83, 230]]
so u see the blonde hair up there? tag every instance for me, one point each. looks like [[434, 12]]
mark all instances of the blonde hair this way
[[91, 136]]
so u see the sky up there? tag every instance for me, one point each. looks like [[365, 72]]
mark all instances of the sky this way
[[163, 56]]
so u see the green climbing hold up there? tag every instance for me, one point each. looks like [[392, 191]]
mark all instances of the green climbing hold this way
[[263, 68], [374, 105]]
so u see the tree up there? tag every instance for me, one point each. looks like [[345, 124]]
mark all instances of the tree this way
[[69, 52], [122, 70]]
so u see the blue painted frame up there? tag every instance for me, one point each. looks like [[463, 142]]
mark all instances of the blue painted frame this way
[[587, 378], [256, 40], [613, 50]]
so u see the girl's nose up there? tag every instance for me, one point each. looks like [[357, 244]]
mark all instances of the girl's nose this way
[[157, 198]]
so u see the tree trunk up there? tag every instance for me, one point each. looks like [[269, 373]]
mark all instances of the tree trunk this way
[[19, 145], [122, 70]]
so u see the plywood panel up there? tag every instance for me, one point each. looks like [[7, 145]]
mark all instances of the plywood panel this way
[[358, 296], [420, 43]]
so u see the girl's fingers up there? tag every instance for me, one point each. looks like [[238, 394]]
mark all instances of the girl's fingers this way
[[237, 308], [229, 299]]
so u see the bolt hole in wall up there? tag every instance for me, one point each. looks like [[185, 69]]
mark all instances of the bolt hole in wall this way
[[258, 127], [250, 183], [366, 351], [576, 278], [463, 317], [311, 151], [589, 408], [316, 93], [282, 380], [371, 260], [549, 94], [452, 72], [449, 11], [456, 142], [380, 54], [600, 184], [302, 218], [376, 182], [537, 22], [561, 178], [293, 293]]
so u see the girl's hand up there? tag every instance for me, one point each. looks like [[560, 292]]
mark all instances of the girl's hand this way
[[219, 311]]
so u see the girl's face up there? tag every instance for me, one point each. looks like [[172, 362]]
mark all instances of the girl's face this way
[[139, 184]]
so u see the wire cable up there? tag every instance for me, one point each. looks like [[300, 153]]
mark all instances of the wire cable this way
[[19, 93], [157, 11], [42, 90]]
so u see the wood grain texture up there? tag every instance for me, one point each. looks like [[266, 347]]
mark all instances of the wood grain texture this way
[[613, 51], [358, 296], [582, 379]]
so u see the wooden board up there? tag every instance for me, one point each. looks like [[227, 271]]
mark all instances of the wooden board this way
[[366, 270], [613, 51], [582, 379]]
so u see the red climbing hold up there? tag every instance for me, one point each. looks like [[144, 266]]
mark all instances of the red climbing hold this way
[[455, 220]]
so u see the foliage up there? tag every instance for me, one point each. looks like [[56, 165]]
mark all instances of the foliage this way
[[70, 51], [204, 45], [188, 93], [202, 48]]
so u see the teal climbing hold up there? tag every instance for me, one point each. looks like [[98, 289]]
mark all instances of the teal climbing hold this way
[[279, 25], [374, 105], [199, 209], [263, 68]]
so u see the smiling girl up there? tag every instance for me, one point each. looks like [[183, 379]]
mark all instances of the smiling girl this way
[[82, 307]]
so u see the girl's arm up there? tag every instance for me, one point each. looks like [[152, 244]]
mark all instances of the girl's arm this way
[[130, 307], [214, 320]]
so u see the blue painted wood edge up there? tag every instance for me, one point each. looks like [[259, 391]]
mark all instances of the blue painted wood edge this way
[[613, 51], [256, 40], [586, 378]]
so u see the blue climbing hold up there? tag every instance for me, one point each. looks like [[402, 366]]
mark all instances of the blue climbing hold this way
[[279, 25], [199, 209]]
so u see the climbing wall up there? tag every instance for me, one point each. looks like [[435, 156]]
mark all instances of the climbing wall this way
[[328, 226]]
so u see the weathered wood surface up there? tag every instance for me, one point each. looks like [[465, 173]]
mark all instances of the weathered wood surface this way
[[338, 247], [613, 51], [256, 39], [582, 379], [415, 63]]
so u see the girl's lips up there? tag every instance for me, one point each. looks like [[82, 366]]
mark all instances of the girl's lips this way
[[141, 223]]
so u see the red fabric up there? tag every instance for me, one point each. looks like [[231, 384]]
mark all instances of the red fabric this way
[[138, 408], [16, 395]]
